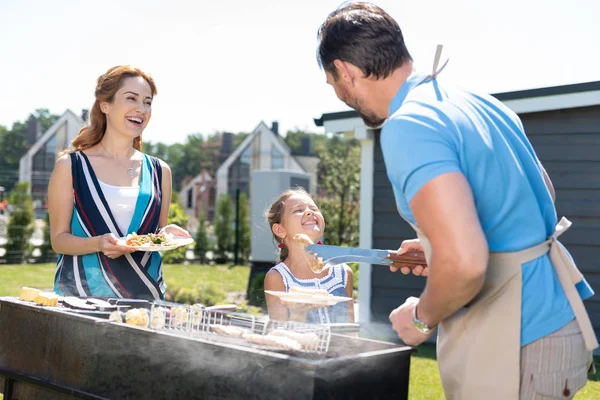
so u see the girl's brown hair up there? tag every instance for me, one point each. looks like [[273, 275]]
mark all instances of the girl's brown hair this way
[[274, 215], [107, 86]]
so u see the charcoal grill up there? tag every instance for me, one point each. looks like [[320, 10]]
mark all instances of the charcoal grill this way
[[56, 354]]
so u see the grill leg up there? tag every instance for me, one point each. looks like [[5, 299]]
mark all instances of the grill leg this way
[[8, 388]]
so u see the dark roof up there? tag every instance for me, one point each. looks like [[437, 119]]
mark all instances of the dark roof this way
[[335, 116], [549, 91], [519, 94]]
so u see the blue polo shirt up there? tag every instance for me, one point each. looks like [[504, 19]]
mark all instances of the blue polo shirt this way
[[432, 131]]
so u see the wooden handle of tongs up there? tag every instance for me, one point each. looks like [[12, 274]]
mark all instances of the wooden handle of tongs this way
[[412, 257]]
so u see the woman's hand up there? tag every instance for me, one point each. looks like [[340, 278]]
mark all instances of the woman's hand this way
[[175, 231], [413, 247], [110, 247]]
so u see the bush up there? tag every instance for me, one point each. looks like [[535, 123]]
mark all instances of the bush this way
[[223, 228], [206, 294], [176, 216], [203, 243], [20, 224], [244, 229], [257, 290]]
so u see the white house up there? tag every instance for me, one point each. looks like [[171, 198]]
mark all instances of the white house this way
[[263, 149]]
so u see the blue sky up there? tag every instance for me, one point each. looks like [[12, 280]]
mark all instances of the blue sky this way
[[226, 65]]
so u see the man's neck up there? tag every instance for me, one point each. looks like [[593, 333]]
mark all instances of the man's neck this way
[[386, 89]]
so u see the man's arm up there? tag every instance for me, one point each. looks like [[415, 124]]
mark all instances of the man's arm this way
[[444, 209], [548, 182]]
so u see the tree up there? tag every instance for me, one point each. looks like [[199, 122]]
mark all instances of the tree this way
[[294, 140], [244, 228], [223, 228], [176, 216], [339, 175], [20, 224], [46, 248], [203, 243]]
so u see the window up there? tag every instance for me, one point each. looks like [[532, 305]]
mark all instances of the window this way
[[239, 173], [190, 195], [276, 158]]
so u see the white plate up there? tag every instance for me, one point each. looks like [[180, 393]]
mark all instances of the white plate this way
[[174, 242], [308, 298]]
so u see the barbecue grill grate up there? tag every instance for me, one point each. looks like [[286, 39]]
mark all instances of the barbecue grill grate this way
[[199, 322]]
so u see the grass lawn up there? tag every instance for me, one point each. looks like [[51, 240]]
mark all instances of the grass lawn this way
[[424, 376], [41, 276]]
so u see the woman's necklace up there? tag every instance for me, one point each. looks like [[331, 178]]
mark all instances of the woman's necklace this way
[[130, 170]]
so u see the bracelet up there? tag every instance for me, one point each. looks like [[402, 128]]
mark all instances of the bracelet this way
[[420, 325]]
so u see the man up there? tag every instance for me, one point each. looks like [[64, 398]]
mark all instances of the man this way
[[504, 294]]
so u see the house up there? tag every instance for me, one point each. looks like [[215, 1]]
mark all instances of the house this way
[[263, 149], [198, 194], [37, 164], [563, 125]]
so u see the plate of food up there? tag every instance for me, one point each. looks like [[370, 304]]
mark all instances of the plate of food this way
[[155, 241], [308, 296]]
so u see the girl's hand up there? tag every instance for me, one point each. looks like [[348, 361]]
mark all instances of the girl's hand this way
[[175, 231], [298, 311], [110, 247]]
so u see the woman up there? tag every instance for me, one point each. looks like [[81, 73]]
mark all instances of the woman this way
[[105, 188]]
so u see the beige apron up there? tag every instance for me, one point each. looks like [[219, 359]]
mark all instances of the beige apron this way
[[479, 347]]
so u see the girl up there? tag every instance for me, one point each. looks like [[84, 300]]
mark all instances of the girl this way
[[105, 188], [294, 212]]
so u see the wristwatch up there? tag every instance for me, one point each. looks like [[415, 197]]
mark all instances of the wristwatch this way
[[420, 325]]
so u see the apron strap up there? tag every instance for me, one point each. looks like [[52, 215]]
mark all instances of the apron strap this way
[[436, 61]]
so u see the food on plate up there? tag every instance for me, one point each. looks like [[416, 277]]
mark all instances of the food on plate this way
[[137, 317], [309, 291], [29, 294], [178, 316], [46, 299], [279, 342], [315, 263], [307, 340], [151, 239], [157, 318], [228, 330]]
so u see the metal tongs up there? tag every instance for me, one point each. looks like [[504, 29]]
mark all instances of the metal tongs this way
[[332, 255]]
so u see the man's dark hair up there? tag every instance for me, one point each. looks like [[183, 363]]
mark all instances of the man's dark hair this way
[[363, 35]]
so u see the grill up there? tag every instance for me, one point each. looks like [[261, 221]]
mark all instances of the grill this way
[[52, 353]]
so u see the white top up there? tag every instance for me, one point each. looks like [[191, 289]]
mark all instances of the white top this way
[[121, 200]]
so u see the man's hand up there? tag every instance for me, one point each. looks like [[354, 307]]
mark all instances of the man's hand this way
[[414, 248], [401, 319]]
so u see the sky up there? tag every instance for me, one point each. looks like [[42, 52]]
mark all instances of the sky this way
[[226, 65]]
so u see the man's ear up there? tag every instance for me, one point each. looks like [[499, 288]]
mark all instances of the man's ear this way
[[347, 71], [278, 231]]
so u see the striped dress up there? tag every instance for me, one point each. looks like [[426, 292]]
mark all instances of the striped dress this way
[[334, 282], [134, 275]]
